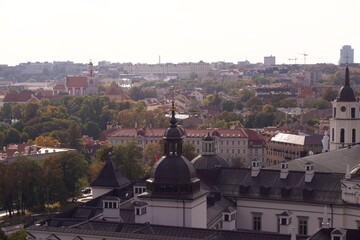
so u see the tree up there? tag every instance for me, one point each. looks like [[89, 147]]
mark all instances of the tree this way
[[213, 100], [74, 135], [228, 105], [254, 103], [46, 141], [91, 129], [189, 151], [329, 94], [136, 94], [74, 168], [152, 153], [287, 103], [12, 136], [53, 176], [128, 159], [30, 110]]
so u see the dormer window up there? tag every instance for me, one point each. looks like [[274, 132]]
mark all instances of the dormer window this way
[[110, 204], [140, 210]]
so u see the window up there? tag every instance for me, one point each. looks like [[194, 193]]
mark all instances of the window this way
[[353, 135], [256, 219], [303, 226], [342, 135], [352, 112], [332, 134], [226, 217], [334, 112]]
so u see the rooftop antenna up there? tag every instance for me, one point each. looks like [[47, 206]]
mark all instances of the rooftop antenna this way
[[305, 55], [159, 59]]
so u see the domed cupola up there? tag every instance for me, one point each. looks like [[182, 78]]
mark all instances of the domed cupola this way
[[346, 93], [208, 159], [173, 174]]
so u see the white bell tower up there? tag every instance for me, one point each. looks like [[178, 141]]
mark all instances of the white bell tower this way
[[345, 121]]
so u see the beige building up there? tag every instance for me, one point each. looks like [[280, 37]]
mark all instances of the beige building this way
[[181, 70], [244, 144], [286, 147]]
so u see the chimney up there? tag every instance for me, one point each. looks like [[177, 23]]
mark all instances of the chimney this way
[[309, 171], [348, 175], [255, 168], [293, 234], [284, 170]]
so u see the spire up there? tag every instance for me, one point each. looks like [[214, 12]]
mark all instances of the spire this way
[[347, 76], [347, 175], [346, 93], [172, 109]]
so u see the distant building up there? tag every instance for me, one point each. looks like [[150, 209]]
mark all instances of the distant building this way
[[229, 143], [269, 61], [290, 146], [346, 55]]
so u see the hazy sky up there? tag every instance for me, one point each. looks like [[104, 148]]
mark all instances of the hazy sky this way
[[178, 30]]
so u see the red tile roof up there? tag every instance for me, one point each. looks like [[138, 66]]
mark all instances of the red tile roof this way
[[17, 97], [76, 81], [60, 87], [190, 133]]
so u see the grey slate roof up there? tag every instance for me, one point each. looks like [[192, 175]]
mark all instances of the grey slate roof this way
[[323, 189], [158, 232], [110, 176], [325, 234], [333, 161]]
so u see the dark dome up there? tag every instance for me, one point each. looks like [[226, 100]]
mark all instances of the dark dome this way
[[173, 170], [208, 162], [346, 93], [173, 133]]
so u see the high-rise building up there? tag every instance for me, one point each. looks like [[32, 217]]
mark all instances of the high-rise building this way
[[269, 61], [346, 55]]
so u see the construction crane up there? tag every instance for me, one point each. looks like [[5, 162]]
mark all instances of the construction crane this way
[[293, 59], [305, 55]]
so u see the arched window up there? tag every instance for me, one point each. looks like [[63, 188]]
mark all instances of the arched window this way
[[342, 135]]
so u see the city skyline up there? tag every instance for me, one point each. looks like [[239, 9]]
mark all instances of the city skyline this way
[[178, 31]]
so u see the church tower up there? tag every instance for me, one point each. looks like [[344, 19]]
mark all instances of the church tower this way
[[91, 88], [173, 195], [345, 121]]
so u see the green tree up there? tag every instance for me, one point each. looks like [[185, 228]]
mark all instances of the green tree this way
[[31, 110], [136, 94], [329, 94], [55, 190], [91, 129], [128, 158], [228, 105], [12, 136], [254, 103], [74, 135], [74, 168], [189, 151], [213, 100]]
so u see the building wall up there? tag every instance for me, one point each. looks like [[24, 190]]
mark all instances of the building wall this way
[[342, 118], [177, 212], [228, 147], [346, 217]]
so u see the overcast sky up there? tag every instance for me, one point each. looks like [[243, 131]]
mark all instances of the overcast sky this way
[[177, 30]]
